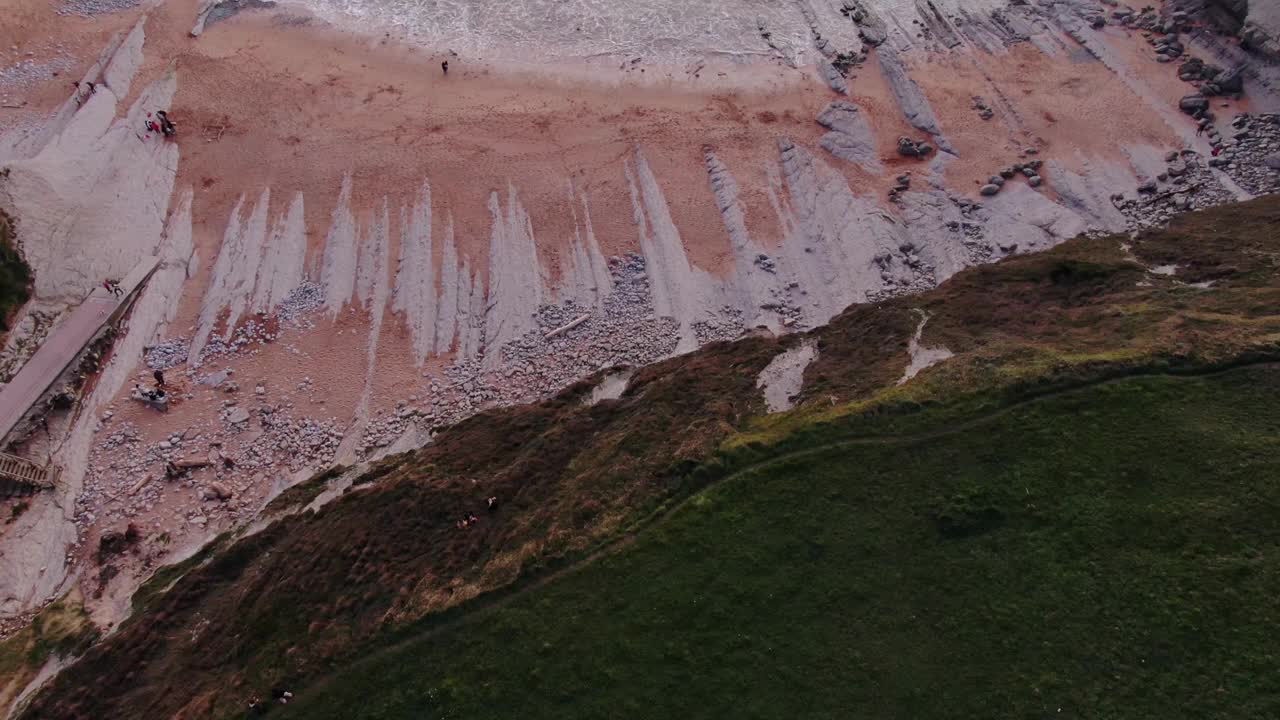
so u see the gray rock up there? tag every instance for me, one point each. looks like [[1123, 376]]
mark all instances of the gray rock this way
[[1193, 103], [910, 148], [1034, 181], [850, 138], [989, 190], [911, 99], [237, 416], [832, 77], [215, 379], [873, 35]]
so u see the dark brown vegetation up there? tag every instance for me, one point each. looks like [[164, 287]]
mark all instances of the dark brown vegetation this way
[[312, 592]]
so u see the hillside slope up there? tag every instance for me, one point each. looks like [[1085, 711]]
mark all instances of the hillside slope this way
[[850, 552], [1105, 551]]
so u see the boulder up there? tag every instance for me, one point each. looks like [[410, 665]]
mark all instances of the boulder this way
[[217, 491], [1231, 81], [1191, 104], [910, 148], [872, 35], [1272, 161], [989, 190]]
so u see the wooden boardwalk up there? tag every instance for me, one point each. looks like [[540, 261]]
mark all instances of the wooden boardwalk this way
[[64, 345]]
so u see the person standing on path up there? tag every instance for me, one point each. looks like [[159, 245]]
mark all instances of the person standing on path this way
[[445, 67], [159, 376]]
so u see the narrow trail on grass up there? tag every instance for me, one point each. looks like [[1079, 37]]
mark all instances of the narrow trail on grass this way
[[500, 598]]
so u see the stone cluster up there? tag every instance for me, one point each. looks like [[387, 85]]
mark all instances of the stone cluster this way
[[297, 306], [901, 184], [984, 111], [127, 476], [21, 72], [1029, 169], [913, 148], [249, 334], [167, 354], [1251, 156], [1186, 184]]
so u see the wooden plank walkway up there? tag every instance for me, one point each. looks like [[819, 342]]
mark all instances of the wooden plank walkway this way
[[65, 344], [22, 473]]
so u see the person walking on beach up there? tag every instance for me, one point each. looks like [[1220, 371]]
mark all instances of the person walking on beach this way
[[445, 67]]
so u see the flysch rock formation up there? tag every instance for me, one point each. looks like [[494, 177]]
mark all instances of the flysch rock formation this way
[[91, 198]]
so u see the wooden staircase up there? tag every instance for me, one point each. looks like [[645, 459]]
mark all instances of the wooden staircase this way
[[20, 477]]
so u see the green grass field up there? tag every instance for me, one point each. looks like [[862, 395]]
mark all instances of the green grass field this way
[[1102, 553]]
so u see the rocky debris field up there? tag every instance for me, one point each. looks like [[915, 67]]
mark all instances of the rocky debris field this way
[[295, 309], [89, 8], [1187, 183], [210, 474], [1251, 156], [1029, 169], [570, 343], [295, 312], [21, 71], [167, 354]]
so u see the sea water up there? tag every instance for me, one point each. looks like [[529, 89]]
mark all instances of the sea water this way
[[652, 31], [613, 30]]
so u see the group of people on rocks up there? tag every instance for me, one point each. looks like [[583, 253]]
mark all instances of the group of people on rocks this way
[[258, 707], [161, 124], [491, 505], [157, 396]]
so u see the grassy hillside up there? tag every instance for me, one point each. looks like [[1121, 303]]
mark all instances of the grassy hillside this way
[[871, 537], [1108, 551], [15, 275], [62, 629]]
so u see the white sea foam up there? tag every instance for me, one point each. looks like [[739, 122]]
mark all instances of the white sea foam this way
[[655, 30]]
